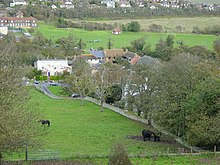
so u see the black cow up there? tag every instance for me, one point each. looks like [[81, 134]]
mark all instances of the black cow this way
[[43, 122], [156, 136], [146, 134]]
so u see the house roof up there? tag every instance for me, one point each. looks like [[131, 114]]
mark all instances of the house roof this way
[[88, 56], [135, 59], [98, 53], [129, 55], [18, 1], [15, 18], [114, 52], [116, 30], [147, 60]]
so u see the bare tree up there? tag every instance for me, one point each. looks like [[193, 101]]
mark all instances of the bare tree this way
[[80, 81], [107, 75]]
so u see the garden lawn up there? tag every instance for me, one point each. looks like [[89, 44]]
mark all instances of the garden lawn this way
[[84, 130], [122, 40]]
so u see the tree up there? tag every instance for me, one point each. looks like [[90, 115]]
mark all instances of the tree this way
[[80, 80], [138, 46], [164, 50], [170, 41], [81, 45], [106, 75], [142, 87], [18, 122], [203, 113], [113, 93], [202, 52], [175, 82], [216, 47], [134, 26], [40, 40], [110, 43], [69, 45], [155, 28]]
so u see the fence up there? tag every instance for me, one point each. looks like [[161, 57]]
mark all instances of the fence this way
[[43, 155]]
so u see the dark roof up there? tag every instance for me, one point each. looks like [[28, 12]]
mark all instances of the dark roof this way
[[147, 60], [98, 53], [129, 55]]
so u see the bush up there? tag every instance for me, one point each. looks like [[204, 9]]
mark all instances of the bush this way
[[118, 155], [155, 28]]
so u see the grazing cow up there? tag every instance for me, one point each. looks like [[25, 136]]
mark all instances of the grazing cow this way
[[43, 122], [146, 134], [156, 136]]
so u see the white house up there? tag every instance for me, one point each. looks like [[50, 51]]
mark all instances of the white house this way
[[4, 30], [67, 4], [18, 2], [53, 67], [109, 3]]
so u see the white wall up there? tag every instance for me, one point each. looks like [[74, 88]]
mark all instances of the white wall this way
[[53, 67]]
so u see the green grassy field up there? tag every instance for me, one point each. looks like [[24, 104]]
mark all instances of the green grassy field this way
[[77, 131], [123, 39], [84, 130]]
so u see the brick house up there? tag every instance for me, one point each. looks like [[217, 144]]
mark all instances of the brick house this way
[[111, 54], [18, 21]]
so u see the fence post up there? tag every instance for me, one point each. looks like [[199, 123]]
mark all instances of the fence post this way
[[168, 149], [26, 152], [214, 150]]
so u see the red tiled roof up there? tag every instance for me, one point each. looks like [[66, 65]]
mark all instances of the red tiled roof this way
[[87, 56], [135, 59], [117, 30], [15, 18]]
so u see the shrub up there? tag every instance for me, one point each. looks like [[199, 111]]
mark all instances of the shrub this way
[[118, 155]]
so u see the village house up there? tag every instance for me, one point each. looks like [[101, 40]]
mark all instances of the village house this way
[[116, 31], [91, 59], [51, 67], [131, 57], [108, 3], [18, 21], [68, 4], [111, 54], [18, 2], [99, 54], [125, 4]]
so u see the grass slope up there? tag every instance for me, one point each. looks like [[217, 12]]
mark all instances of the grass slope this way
[[124, 39], [84, 130]]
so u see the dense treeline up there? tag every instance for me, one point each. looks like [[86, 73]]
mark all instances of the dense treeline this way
[[45, 13]]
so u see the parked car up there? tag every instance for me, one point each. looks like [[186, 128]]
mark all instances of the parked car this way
[[36, 82], [75, 95], [53, 84]]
